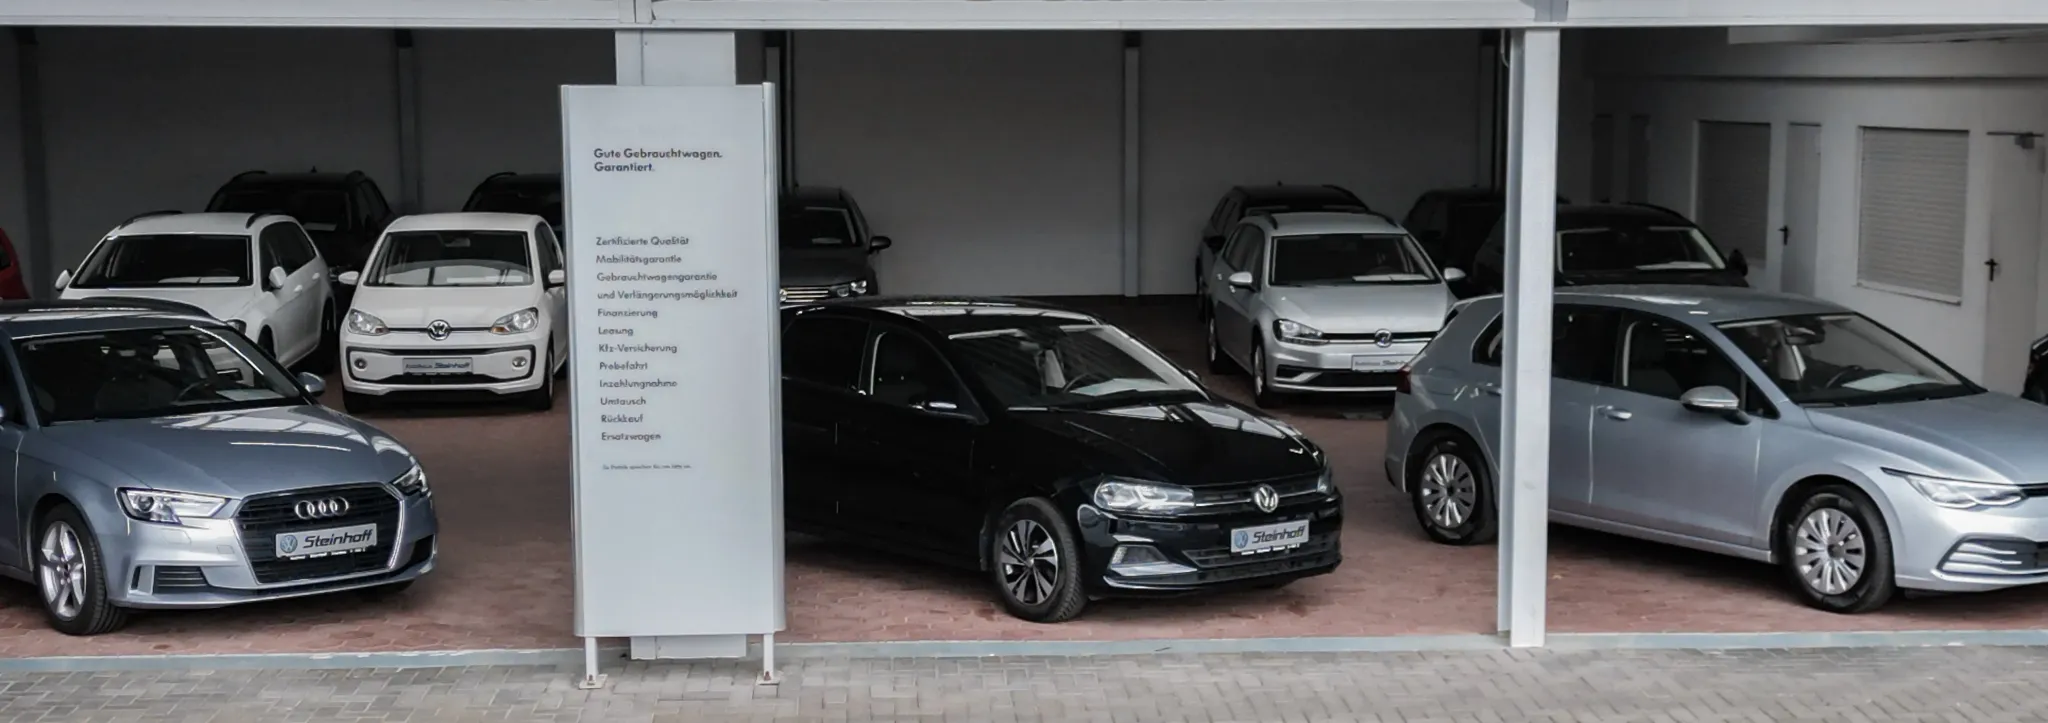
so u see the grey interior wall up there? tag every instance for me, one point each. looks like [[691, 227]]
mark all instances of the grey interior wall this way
[[13, 191], [490, 101]]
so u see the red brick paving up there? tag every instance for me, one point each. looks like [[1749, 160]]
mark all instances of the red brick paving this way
[[504, 582]]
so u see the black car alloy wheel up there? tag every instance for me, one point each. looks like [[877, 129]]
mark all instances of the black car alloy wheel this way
[[1033, 559]]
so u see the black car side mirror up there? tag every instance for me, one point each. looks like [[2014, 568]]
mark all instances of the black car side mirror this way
[[1737, 263], [942, 408], [879, 242], [1215, 243]]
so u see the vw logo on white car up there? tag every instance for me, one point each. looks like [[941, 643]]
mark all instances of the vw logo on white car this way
[[320, 509], [438, 330], [1383, 338], [1265, 498]]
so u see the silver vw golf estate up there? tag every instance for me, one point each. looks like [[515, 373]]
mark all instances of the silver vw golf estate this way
[[1771, 427], [156, 458], [1320, 302]]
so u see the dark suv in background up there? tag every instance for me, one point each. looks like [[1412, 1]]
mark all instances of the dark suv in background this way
[[1242, 201], [827, 248], [343, 212], [1621, 243], [1452, 223], [539, 194]]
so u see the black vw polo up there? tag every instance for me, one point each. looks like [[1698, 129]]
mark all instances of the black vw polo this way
[[1059, 454]]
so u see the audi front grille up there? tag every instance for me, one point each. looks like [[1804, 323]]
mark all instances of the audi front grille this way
[[262, 518]]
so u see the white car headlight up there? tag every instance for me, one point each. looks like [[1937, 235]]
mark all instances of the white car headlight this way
[[168, 507], [1961, 495], [1294, 332], [366, 324], [859, 287], [1133, 496], [518, 322]]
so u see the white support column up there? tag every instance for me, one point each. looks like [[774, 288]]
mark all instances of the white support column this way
[[1133, 169], [1533, 59], [680, 58]]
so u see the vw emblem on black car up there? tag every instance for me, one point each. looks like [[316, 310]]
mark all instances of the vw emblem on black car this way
[[439, 330], [1383, 338], [320, 509], [1265, 498]]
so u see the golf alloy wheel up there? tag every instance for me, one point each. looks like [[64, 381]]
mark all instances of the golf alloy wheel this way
[[1829, 551], [1449, 491], [1029, 563]]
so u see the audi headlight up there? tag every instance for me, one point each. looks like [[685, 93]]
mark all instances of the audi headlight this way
[[1295, 332], [366, 324], [413, 483], [518, 322], [168, 507], [1131, 496], [1961, 495]]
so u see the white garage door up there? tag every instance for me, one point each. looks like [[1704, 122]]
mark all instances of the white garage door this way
[[1734, 192], [1910, 227]]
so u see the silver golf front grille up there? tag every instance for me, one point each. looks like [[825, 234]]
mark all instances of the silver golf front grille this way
[[805, 294]]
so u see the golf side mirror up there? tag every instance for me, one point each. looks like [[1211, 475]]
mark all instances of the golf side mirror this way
[[349, 278], [880, 242], [1241, 279], [1454, 274], [1738, 263], [1715, 400], [558, 277], [275, 278]]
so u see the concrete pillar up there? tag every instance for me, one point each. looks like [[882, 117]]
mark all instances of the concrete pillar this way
[[1531, 222]]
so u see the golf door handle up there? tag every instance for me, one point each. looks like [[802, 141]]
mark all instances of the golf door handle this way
[[1614, 412]]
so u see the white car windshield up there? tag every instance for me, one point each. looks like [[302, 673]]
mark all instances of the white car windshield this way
[[139, 373], [1639, 248], [1842, 359], [166, 260], [452, 258], [1349, 258], [1070, 365]]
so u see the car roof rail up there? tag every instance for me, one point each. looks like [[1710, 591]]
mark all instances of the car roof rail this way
[[1652, 206], [500, 174], [248, 173], [148, 214]]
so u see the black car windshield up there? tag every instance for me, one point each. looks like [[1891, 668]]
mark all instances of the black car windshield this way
[[452, 258], [1049, 365], [140, 373], [1306, 205], [1842, 359], [1635, 248], [166, 260], [540, 200], [319, 210], [1349, 258], [817, 227]]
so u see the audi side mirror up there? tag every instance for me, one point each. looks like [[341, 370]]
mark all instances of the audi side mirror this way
[[275, 279], [63, 279], [1454, 274], [880, 242], [313, 384], [558, 277], [1738, 263], [349, 278]]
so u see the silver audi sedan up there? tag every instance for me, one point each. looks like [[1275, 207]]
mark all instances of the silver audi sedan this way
[[1771, 427], [156, 458]]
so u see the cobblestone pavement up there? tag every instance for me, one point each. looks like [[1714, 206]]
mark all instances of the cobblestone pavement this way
[[1886, 684]]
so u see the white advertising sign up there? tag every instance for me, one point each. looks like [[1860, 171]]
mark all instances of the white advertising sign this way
[[671, 195]]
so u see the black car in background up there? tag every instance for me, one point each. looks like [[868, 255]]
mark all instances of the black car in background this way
[[1621, 243], [827, 248], [1063, 457], [1242, 201], [343, 212], [2037, 372], [539, 194], [1452, 223]]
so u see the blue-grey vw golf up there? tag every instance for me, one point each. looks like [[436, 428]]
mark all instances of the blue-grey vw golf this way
[[156, 458], [1766, 426]]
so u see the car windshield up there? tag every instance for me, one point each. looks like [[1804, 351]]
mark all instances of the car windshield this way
[[536, 199], [1047, 366], [1306, 205], [166, 260], [1843, 359], [452, 258], [319, 210], [817, 227], [1635, 248], [140, 373], [1349, 258]]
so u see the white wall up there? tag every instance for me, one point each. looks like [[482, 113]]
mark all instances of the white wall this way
[[1724, 87], [992, 159]]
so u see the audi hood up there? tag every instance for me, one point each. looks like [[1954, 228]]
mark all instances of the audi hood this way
[[230, 454]]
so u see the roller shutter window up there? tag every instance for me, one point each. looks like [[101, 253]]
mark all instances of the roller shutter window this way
[[1603, 158], [1915, 186], [1735, 187]]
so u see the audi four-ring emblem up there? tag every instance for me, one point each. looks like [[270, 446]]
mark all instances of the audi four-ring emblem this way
[[1266, 499], [320, 509]]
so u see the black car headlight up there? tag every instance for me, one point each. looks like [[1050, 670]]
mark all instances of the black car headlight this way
[[1326, 482], [1122, 495]]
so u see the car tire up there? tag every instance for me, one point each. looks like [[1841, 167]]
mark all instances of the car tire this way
[[1219, 363], [543, 398], [1451, 491], [72, 583], [1837, 552], [1046, 587], [1262, 390], [357, 403], [263, 341], [327, 352]]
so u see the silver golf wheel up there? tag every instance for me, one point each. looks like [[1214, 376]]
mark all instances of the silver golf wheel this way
[[1210, 329], [1449, 491], [61, 571], [1259, 371], [1030, 563], [1829, 551]]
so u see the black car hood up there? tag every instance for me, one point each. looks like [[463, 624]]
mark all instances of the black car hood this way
[[1193, 444], [1721, 277]]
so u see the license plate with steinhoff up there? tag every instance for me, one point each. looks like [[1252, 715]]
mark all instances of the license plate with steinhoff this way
[[331, 541], [1268, 538]]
